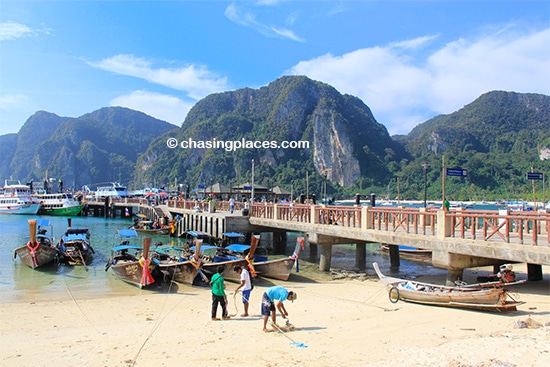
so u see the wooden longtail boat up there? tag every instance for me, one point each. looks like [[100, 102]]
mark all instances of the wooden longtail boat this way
[[74, 246], [411, 252], [277, 268], [475, 296], [40, 249], [135, 269], [181, 269]]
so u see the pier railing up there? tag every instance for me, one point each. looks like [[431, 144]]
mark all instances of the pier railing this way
[[531, 228]]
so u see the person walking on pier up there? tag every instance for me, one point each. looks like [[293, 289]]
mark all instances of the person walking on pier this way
[[218, 294], [246, 286], [231, 204], [275, 294]]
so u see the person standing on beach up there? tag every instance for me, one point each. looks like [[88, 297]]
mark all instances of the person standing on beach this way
[[275, 294], [218, 294], [246, 286]]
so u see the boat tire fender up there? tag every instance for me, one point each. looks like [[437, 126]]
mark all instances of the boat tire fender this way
[[394, 294]]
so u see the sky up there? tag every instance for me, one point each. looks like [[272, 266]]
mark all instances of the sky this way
[[408, 61]]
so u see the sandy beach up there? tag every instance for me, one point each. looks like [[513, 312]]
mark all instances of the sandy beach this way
[[345, 322]]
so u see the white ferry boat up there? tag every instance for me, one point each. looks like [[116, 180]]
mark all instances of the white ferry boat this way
[[59, 204], [16, 198], [113, 191]]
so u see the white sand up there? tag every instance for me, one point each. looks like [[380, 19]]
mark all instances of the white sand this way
[[342, 323]]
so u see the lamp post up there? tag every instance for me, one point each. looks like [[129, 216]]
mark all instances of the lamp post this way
[[252, 191], [291, 190], [425, 165]]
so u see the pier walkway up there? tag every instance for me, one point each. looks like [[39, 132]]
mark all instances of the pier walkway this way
[[458, 239]]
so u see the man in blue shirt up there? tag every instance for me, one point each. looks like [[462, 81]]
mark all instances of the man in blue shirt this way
[[275, 294]]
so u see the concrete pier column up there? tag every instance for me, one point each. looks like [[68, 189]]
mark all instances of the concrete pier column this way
[[395, 260], [325, 258], [360, 255], [279, 242], [453, 275], [534, 272]]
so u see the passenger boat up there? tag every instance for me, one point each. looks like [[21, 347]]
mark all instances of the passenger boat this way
[[146, 227], [74, 246], [489, 297], [16, 198], [213, 256], [40, 250], [59, 204], [133, 268]]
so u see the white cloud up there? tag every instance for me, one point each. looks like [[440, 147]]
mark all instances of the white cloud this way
[[161, 106], [248, 19], [13, 30], [403, 89], [196, 80], [12, 101]]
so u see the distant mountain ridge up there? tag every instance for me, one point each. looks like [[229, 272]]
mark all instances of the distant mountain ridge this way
[[101, 146], [498, 138]]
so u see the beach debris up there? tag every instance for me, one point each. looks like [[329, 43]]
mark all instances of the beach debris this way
[[528, 323], [350, 274]]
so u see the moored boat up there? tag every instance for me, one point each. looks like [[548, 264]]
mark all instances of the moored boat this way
[[479, 296], [40, 249], [16, 198], [59, 204], [75, 247], [279, 268], [182, 268], [133, 268], [410, 252]]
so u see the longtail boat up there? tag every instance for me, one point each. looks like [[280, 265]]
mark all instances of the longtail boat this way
[[277, 268], [181, 268], [40, 249], [75, 247], [489, 297], [133, 268]]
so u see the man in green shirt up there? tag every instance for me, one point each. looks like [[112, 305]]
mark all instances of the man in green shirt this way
[[218, 294]]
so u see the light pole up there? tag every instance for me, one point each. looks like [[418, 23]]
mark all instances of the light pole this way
[[425, 165], [252, 191]]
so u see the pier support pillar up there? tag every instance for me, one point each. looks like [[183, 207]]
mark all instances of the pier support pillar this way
[[325, 258], [395, 261], [534, 272], [453, 275], [279, 242], [361, 255]]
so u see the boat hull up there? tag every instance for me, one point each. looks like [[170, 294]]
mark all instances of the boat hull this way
[[210, 268], [275, 269], [493, 298], [65, 211], [180, 272], [20, 209], [43, 255], [130, 272]]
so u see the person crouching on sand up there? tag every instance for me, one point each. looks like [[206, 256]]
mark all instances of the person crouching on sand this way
[[275, 294]]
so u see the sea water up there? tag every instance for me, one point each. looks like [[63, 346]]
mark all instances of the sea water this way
[[18, 282]]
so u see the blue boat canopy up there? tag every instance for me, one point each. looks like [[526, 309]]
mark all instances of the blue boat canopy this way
[[43, 222], [197, 233], [126, 247], [75, 237], [232, 234], [238, 247], [204, 247], [127, 233]]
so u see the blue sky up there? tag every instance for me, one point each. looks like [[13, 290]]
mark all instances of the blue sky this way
[[407, 60]]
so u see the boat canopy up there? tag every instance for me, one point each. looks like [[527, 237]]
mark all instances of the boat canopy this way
[[238, 247], [197, 233], [126, 247], [75, 237], [43, 222], [127, 233], [232, 234], [204, 247]]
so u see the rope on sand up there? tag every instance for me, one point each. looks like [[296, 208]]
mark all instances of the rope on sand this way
[[367, 302], [160, 320], [78, 306], [292, 342]]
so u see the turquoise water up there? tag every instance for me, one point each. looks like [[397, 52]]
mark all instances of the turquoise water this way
[[19, 282]]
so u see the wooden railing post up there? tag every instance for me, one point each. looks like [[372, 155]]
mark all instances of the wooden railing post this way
[[314, 214], [275, 211], [366, 218]]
